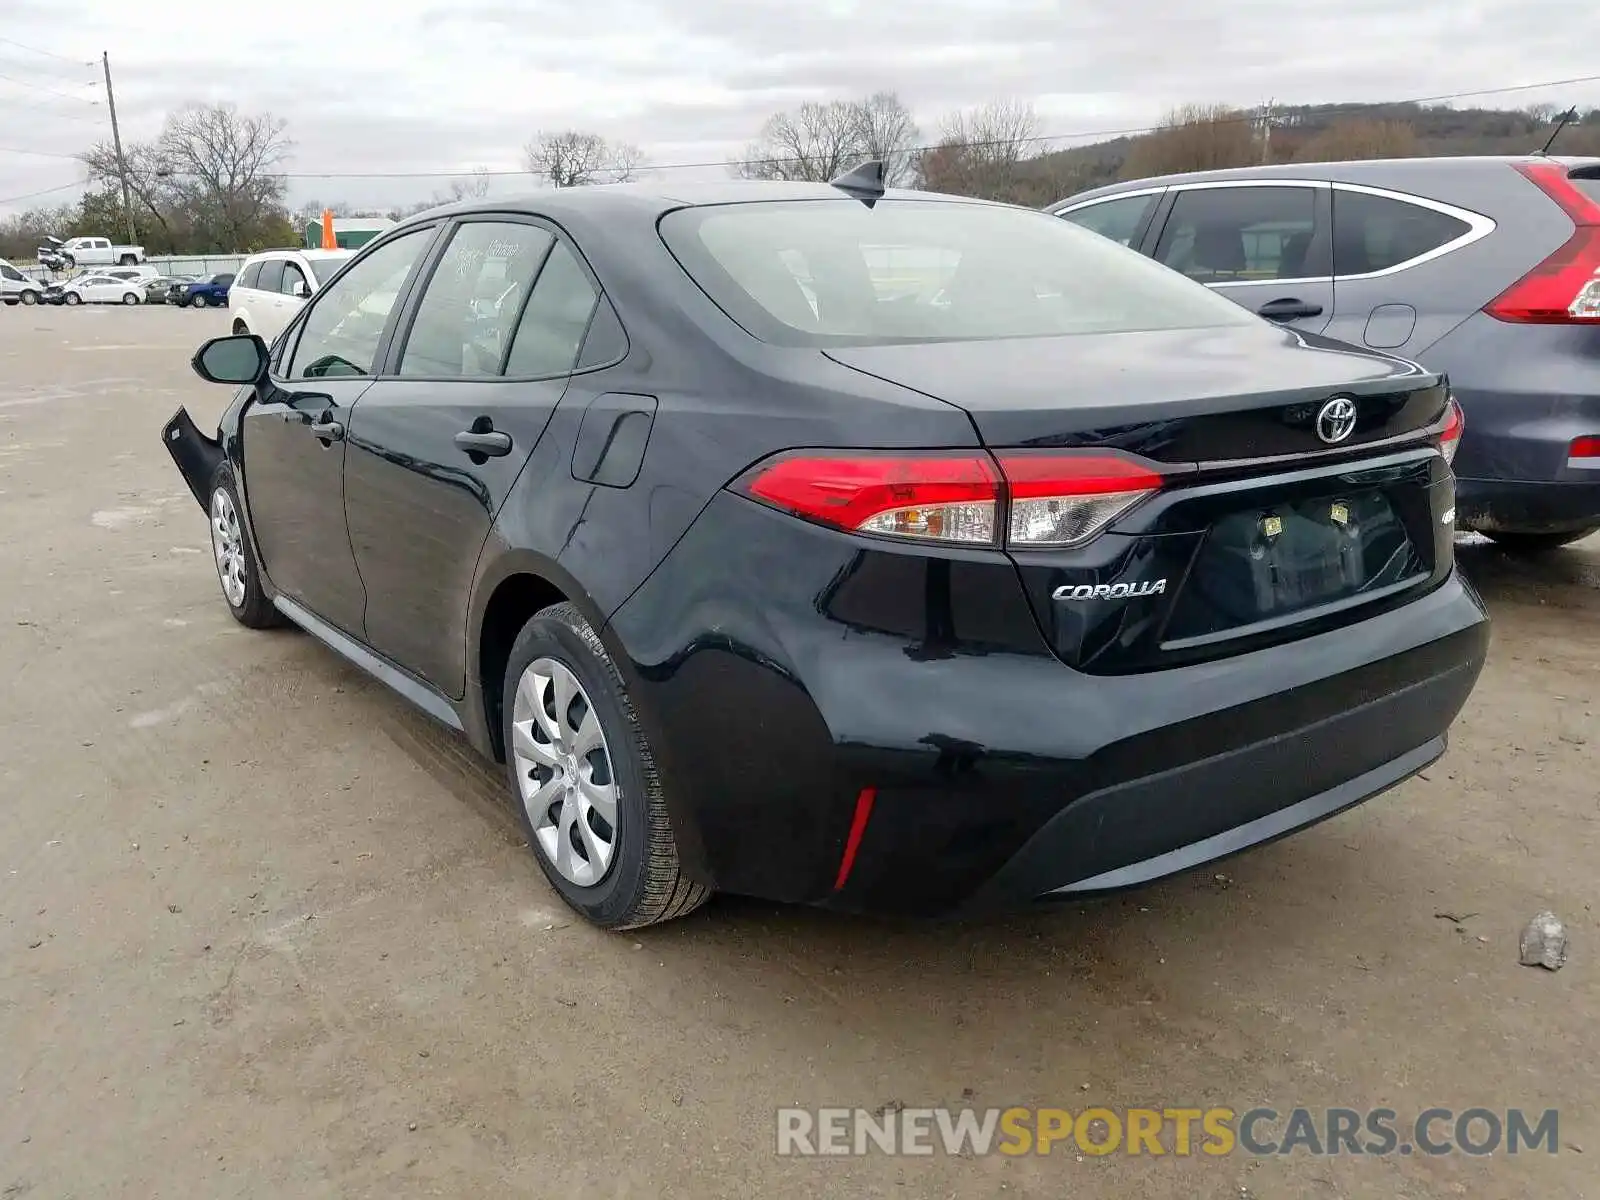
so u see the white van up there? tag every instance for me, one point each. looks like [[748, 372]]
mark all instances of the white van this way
[[271, 287], [17, 288]]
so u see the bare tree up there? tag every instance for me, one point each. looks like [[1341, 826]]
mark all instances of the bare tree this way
[[1195, 137], [576, 158], [818, 142], [475, 187], [983, 151], [1358, 138], [222, 163]]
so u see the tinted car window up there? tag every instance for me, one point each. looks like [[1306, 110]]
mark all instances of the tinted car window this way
[[473, 299], [11, 272], [813, 273], [1238, 234], [248, 276], [555, 319], [340, 334], [271, 277], [1120, 219], [225, 280], [292, 275], [1374, 233]]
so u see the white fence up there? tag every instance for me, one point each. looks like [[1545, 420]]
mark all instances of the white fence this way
[[166, 264]]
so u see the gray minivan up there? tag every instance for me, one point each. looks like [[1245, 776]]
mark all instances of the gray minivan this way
[[1487, 269]]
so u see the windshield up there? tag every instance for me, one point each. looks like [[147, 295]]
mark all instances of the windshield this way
[[323, 268], [825, 272]]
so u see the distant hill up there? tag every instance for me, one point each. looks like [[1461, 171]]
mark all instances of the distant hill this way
[[1437, 130]]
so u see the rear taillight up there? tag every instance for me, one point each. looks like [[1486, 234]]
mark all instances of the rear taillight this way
[[1454, 423], [1565, 288], [1584, 452], [1047, 499], [1065, 499]]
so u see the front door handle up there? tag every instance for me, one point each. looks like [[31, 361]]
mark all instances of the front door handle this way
[[490, 443], [325, 429], [1289, 309]]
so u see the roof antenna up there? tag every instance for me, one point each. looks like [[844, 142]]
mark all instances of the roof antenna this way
[[863, 182], [1566, 118]]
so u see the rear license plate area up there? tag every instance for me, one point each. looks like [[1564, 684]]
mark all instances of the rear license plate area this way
[[1265, 565]]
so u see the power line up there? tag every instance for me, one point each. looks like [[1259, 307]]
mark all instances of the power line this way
[[39, 87], [45, 192], [37, 153], [1133, 131], [46, 53]]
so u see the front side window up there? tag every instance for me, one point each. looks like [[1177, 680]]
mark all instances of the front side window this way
[[834, 272], [10, 272], [293, 277], [342, 331], [1120, 219], [1374, 233], [469, 311], [1240, 234]]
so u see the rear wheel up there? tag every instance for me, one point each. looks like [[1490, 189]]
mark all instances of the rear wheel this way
[[585, 780], [30, 297], [235, 557], [1530, 544], [127, 260]]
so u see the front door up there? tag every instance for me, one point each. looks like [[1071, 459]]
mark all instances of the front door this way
[[1266, 247], [437, 444], [295, 435]]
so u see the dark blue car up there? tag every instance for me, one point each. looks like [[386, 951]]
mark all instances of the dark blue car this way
[[212, 290]]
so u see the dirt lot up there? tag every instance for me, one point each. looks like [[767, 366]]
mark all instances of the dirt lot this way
[[265, 932]]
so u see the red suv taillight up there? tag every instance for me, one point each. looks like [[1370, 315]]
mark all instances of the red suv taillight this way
[[1565, 288], [1454, 422], [1043, 498]]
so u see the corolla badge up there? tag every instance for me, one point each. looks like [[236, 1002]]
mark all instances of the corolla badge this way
[[1336, 420], [1109, 591]]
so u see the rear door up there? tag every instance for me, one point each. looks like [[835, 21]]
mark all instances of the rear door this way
[[1267, 246], [438, 442], [295, 432]]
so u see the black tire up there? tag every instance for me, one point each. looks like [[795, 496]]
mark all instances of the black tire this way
[[240, 327], [1530, 545], [30, 298], [129, 298], [72, 298], [127, 260], [197, 301], [644, 883], [255, 610]]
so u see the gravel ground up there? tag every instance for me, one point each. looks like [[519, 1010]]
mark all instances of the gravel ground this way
[[264, 931]]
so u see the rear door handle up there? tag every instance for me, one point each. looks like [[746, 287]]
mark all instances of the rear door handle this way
[[1289, 309], [491, 443]]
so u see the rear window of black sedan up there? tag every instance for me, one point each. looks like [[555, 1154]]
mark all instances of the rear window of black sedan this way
[[835, 272]]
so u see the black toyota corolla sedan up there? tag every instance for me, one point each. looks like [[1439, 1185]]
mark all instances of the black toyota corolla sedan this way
[[872, 549]]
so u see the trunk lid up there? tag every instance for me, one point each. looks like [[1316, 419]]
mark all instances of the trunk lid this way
[[1266, 530]]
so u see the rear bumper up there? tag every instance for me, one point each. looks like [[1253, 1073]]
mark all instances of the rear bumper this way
[[774, 698], [1519, 506]]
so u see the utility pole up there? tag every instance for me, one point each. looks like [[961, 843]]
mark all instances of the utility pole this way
[[1267, 111], [116, 140]]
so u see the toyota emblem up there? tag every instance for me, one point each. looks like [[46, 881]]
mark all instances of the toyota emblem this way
[[1336, 420]]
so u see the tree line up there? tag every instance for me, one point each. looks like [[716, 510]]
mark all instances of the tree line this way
[[212, 180]]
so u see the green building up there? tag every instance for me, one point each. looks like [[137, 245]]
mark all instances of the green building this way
[[349, 232]]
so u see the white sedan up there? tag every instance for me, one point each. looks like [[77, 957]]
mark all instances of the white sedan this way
[[102, 289]]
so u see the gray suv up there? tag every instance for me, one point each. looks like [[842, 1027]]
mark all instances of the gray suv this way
[[1486, 269]]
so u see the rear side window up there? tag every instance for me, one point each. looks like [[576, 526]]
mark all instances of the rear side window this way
[[555, 319], [1240, 234], [834, 272], [1121, 219], [271, 277], [1589, 185], [1375, 233], [248, 276]]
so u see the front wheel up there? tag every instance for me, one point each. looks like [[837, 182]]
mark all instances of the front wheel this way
[[197, 301], [235, 557], [1532, 544], [585, 780], [130, 298], [72, 298]]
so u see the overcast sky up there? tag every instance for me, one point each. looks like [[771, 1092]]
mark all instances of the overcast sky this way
[[429, 86]]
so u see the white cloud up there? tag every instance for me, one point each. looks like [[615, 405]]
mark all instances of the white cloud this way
[[426, 85]]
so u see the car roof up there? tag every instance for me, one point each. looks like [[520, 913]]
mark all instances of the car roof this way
[[1353, 171], [649, 200]]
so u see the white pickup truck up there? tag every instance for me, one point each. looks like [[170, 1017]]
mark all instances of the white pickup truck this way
[[89, 252]]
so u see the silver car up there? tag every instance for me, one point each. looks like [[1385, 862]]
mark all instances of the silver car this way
[[1486, 269]]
